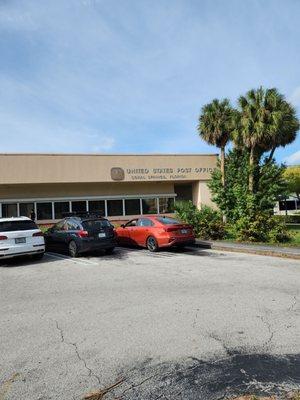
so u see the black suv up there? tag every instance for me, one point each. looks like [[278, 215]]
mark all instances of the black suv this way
[[80, 234]]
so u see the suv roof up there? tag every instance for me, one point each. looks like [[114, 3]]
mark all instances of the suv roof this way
[[82, 215], [14, 219]]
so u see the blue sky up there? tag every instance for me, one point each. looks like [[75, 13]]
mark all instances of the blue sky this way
[[132, 75]]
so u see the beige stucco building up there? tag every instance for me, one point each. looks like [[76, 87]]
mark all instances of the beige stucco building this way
[[118, 186]]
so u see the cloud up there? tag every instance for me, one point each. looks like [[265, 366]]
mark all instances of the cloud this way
[[293, 159]]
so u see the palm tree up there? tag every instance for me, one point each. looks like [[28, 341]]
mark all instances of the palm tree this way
[[266, 122], [215, 126]]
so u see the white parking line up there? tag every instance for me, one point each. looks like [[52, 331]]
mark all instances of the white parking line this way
[[67, 258]]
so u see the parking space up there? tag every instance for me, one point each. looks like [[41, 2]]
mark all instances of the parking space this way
[[193, 324]]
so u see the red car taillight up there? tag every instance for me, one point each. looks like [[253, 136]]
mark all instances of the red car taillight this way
[[171, 229], [3, 237], [40, 233], [82, 233]]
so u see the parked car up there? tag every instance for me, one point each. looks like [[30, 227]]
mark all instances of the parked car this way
[[80, 235], [155, 232], [20, 236]]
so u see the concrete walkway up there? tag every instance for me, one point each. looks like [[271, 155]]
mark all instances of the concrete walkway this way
[[268, 250]]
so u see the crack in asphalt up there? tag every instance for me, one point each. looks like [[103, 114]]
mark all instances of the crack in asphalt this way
[[293, 305], [265, 321], [80, 358]]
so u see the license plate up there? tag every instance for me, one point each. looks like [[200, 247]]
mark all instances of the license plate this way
[[184, 231], [101, 235], [20, 240]]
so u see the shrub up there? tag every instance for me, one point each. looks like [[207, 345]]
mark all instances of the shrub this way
[[260, 227], [207, 222]]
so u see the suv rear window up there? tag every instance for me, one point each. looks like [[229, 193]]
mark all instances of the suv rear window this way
[[95, 224], [9, 226], [168, 221]]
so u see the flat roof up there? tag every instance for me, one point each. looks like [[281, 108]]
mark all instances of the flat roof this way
[[111, 154]]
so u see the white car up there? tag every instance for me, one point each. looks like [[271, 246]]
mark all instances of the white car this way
[[20, 236]]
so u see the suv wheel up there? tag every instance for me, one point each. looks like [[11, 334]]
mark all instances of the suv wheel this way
[[110, 250], [152, 244], [73, 249]]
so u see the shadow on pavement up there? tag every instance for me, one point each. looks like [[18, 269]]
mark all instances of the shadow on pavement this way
[[237, 374]]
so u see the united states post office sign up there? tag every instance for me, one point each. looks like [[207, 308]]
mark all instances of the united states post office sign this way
[[156, 174]]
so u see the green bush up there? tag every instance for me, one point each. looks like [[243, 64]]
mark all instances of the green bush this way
[[290, 219], [207, 222], [260, 227]]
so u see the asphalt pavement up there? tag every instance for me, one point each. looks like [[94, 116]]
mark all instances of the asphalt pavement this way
[[198, 324]]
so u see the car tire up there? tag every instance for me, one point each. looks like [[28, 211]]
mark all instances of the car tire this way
[[73, 249], [152, 244], [109, 250], [37, 257]]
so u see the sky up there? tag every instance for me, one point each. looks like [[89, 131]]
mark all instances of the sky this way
[[131, 76]]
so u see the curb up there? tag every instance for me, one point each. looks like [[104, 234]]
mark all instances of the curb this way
[[236, 249]]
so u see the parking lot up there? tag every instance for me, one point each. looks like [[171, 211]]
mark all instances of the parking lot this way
[[193, 324]]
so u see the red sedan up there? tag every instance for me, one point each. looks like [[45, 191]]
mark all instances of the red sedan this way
[[155, 232]]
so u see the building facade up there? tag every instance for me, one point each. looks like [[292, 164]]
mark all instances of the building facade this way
[[117, 186]]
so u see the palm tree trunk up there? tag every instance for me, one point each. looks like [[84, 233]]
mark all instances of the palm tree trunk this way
[[251, 171], [223, 175], [271, 154], [223, 166]]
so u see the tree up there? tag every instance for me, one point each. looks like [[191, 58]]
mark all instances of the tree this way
[[292, 176], [267, 121], [215, 127], [235, 201]]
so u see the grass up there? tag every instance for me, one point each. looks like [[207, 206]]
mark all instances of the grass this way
[[294, 231]]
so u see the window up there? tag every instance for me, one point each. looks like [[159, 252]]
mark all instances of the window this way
[[60, 208], [9, 226], [168, 221], [184, 192], [9, 210], [132, 207], [60, 226], [96, 224], [166, 205], [114, 207], [25, 209], [287, 205], [132, 223], [78, 206], [149, 206], [97, 207], [73, 225], [44, 211], [145, 222]]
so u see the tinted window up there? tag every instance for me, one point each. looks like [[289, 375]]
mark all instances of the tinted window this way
[[132, 207], [73, 225], [145, 222], [25, 209], [114, 207], [44, 210], [149, 206], [96, 224], [9, 210], [166, 205], [60, 208], [17, 226], [168, 221], [97, 207]]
